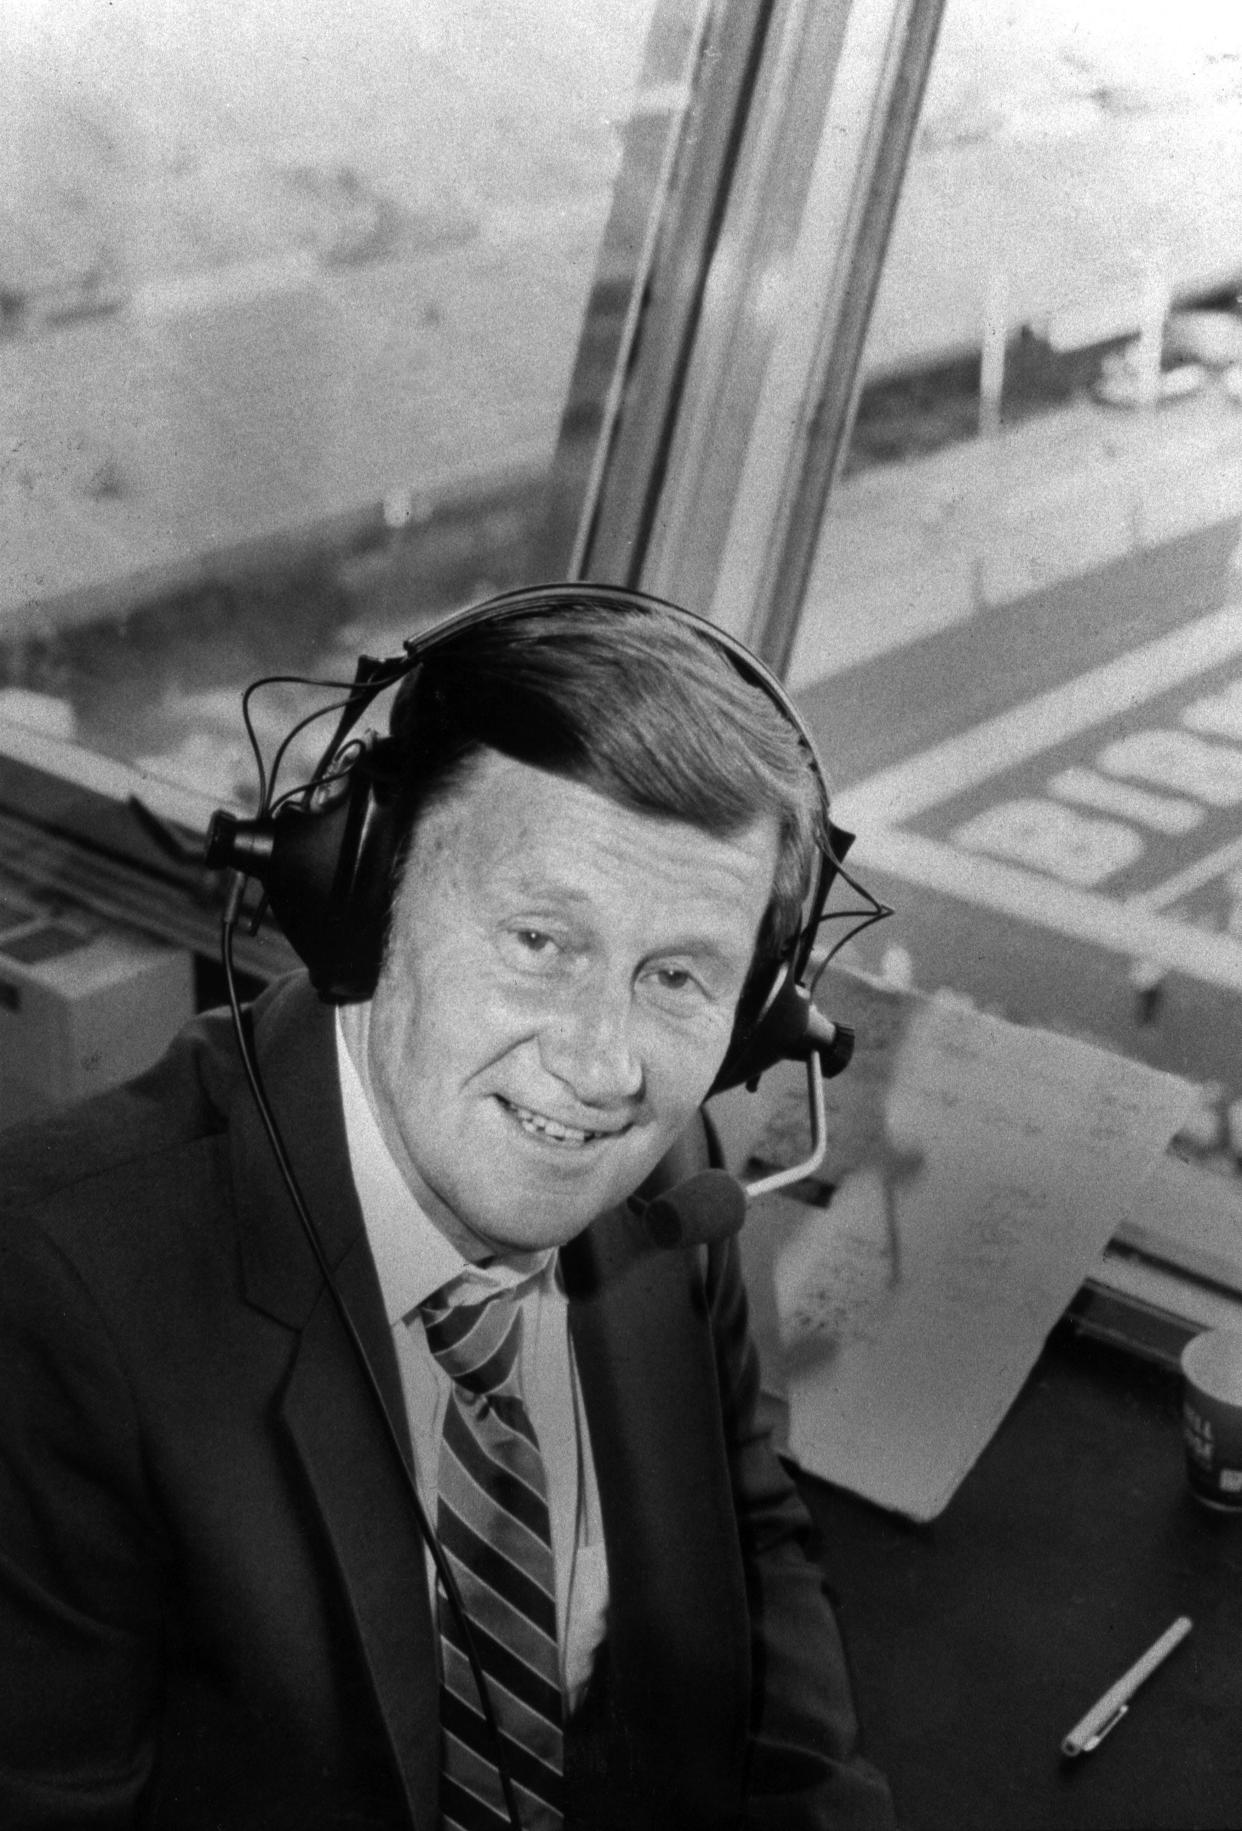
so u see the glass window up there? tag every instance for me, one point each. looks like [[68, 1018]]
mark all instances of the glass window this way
[[291, 301], [1022, 638]]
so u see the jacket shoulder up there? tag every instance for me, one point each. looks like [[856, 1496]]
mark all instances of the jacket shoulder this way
[[180, 1101]]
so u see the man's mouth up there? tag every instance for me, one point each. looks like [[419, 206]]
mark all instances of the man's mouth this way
[[553, 1131]]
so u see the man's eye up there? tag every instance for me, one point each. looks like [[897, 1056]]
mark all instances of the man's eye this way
[[676, 982], [534, 941], [532, 953]]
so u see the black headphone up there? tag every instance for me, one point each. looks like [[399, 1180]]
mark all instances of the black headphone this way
[[326, 853]]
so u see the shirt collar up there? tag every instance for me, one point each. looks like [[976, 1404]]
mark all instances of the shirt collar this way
[[412, 1257]]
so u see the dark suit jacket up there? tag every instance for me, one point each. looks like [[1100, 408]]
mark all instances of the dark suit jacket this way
[[213, 1608]]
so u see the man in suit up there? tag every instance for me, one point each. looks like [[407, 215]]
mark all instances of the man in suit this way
[[218, 1607]]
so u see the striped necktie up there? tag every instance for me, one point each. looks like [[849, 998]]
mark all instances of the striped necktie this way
[[493, 1525]]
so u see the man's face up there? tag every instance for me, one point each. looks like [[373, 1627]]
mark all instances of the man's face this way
[[558, 994]]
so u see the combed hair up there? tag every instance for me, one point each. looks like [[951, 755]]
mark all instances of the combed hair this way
[[633, 703]]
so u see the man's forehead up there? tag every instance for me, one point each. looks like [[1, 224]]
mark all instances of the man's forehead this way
[[525, 831]]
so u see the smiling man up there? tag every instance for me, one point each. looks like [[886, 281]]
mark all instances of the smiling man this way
[[600, 955], [217, 1603]]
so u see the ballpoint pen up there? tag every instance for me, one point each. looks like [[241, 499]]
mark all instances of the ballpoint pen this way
[[1092, 1729]]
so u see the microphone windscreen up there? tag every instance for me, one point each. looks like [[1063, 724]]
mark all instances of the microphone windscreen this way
[[704, 1208]]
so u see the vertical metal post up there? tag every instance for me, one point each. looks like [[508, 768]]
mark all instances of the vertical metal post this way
[[831, 398], [647, 337]]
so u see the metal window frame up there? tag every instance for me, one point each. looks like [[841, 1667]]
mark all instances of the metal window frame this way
[[614, 444], [742, 389]]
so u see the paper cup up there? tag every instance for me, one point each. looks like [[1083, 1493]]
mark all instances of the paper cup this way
[[1212, 1418]]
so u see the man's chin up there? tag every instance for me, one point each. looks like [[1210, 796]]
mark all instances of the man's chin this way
[[550, 1192], [535, 1224], [551, 1232]]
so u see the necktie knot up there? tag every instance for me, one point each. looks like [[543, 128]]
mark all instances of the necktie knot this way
[[475, 1342]]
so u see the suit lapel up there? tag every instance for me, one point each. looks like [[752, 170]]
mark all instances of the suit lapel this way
[[679, 1634], [346, 1422], [353, 1466]]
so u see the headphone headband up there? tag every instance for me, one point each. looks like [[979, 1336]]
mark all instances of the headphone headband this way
[[375, 677]]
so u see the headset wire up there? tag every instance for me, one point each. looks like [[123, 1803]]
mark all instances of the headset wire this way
[[284, 1164]]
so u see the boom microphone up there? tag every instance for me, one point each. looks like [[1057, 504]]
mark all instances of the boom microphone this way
[[706, 1207]]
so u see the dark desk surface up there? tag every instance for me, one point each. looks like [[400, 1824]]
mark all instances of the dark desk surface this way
[[978, 1641]]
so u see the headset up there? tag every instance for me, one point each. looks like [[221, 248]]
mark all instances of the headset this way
[[326, 852], [326, 855]]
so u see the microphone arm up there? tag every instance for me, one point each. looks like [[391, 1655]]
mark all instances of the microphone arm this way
[[780, 1179], [826, 1048], [711, 1204]]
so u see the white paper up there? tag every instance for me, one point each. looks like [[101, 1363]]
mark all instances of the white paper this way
[[980, 1170]]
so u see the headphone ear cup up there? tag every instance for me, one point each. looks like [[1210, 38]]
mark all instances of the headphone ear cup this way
[[788, 1028], [768, 1018], [329, 882]]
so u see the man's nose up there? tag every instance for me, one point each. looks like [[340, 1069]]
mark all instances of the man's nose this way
[[589, 1045]]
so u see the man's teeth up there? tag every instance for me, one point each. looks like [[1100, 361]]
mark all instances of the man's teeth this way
[[549, 1128]]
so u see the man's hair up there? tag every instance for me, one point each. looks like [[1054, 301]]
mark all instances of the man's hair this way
[[633, 703]]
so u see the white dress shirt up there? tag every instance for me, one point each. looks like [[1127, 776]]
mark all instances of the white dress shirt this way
[[413, 1259]]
